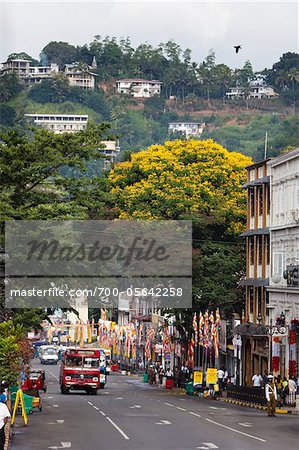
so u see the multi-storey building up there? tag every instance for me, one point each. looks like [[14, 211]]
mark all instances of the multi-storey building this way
[[189, 129], [80, 77], [284, 281], [255, 345], [253, 92], [138, 87], [60, 123], [27, 73]]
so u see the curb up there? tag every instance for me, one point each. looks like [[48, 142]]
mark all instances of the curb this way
[[254, 405]]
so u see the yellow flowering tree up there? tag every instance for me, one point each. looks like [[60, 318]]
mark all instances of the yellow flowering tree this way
[[180, 179]]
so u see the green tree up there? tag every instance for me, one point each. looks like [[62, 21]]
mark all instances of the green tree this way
[[7, 115], [206, 72], [9, 86], [33, 186], [60, 53]]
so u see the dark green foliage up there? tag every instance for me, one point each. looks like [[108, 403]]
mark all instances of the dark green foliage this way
[[9, 86], [56, 90], [60, 52], [7, 115], [23, 55]]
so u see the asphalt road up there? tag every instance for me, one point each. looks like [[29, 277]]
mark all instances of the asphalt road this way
[[131, 415]]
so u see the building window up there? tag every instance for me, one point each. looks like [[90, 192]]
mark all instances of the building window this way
[[251, 200], [251, 300], [261, 200], [251, 249], [267, 248], [259, 300], [260, 249], [277, 263]]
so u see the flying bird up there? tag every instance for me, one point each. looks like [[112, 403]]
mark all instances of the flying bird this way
[[237, 48]]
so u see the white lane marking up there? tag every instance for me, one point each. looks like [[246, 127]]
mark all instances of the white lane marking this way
[[90, 403], [49, 397], [236, 431], [54, 376], [118, 429], [135, 406], [95, 407], [55, 406], [245, 424], [106, 393], [209, 445], [216, 407], [182, 409], [61, 421], [168, 404], [140, 415], [119, 398], [103, 414], [64, 445], [163, 422], [194, 414]]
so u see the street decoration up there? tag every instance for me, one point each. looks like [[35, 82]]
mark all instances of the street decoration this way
[[292, 362], [212, 376], [275, 354], [197, 377]]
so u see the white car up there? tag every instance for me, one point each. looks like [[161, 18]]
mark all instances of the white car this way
[[48, 355]]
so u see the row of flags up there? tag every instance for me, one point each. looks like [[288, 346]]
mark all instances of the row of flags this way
[[205, 331], [125, 338]]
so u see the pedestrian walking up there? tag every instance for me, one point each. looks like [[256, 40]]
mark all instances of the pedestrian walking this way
[[271, 396], [257, 380], [265, 378], [291, 392], [4, 416], [220, 374], [278, 383]]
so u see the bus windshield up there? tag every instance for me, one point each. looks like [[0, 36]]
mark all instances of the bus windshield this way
[[90, 362], [73, 361]]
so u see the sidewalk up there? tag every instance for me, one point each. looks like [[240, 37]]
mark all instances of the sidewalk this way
[[257, 406], [181, 391]]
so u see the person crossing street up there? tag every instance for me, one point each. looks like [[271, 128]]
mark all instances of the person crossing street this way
[[271, 396]]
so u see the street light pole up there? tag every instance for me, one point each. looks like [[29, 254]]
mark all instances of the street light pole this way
[[271, 366]]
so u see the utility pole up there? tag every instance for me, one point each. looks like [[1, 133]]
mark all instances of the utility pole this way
[[266, 145]]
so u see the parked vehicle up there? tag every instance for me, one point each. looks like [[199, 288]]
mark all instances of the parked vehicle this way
[[48, 354], [38, 380], [82, 369]]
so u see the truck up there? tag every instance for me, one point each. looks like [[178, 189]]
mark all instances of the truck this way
[[82, 369]]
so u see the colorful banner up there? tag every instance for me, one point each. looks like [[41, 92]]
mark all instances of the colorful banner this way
[[212, 377], [197, 377]]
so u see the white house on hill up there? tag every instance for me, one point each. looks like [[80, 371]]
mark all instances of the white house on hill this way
[[138, 87], [189, 129]]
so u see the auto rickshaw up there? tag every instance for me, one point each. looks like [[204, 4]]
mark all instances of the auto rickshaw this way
[[37, 380]]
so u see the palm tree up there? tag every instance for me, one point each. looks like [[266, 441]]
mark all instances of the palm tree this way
[[293, 76]]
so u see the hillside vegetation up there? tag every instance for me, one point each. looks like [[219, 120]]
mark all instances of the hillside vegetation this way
[[196, 90]]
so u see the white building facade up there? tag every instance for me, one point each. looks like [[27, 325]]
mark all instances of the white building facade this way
[[60, 123], [189, 129], [254, 92], [138, 87], [27, 73], [284, 280]]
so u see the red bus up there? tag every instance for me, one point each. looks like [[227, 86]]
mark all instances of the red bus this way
[[81, 370]]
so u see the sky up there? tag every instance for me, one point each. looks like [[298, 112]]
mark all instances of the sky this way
[[265, 30]]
